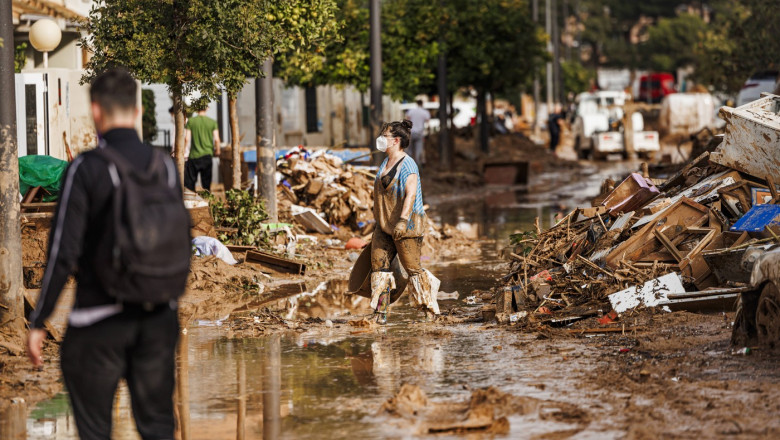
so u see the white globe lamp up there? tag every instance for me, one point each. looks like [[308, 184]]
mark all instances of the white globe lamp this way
[[45, 36]]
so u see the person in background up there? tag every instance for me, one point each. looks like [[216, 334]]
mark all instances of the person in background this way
[[499, 124], [203, 132], [554, 126], [419, 116], [400, 225]]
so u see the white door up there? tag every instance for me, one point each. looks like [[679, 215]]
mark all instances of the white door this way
[[35, 103]]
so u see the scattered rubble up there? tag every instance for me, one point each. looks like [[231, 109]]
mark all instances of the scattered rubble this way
[[336, 193]]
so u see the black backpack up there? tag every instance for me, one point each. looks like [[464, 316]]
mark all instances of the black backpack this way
[[150, 252]]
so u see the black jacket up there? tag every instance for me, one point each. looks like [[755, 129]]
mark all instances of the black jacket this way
[[79, 225]]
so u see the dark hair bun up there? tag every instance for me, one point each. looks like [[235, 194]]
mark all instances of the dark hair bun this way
[[407, 124]]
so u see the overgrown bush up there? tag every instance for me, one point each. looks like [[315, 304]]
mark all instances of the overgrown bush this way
[[242, 216]]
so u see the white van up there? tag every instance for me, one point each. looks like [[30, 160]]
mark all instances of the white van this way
[[595, 113]]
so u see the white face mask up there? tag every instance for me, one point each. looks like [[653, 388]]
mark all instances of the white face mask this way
[[381, 143]]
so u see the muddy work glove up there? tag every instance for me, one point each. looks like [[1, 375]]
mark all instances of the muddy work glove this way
[[400, 229]]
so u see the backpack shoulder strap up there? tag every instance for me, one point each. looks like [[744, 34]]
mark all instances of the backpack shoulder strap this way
[[158, 157], [117, 165]]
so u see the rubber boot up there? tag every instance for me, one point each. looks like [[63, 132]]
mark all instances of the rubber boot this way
[[423, 290], [429, 315], [381, 308], [382, 284]]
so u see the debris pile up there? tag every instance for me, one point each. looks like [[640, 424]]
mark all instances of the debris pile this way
[[682, 242], [336, 193]]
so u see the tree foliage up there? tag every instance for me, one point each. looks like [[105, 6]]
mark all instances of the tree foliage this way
[[409, 49], [20, 57], [576, 77], [741, 40], [201, 46], [607, 29], [672, 42], [492, 45]]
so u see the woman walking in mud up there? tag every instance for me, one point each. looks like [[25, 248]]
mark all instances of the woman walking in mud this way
[[400, 225]]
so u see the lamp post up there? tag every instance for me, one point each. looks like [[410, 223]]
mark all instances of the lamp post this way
[[45, 36]]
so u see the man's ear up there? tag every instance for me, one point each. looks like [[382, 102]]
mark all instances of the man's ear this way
[[97, 113]]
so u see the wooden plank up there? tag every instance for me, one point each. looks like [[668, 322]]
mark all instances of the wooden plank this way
[[239, 248], [39, 207], [313, 222], [679, 177], [716, 303], [275, 263], [683, 212], [34, 215], [30, 302], [31, 193], [668, 245], [772, 189], [705, 293]]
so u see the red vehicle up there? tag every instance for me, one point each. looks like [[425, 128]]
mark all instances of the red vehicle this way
[[653, 87]]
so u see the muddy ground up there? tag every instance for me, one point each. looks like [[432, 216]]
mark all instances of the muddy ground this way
[[669, 375]]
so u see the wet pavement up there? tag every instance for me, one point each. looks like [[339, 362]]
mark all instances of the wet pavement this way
[[331, 383]]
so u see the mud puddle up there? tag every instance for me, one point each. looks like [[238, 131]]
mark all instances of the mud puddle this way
[[496, 212], [332, 384]]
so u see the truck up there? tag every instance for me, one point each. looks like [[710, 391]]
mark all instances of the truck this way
[[600, 128], [653, 87]]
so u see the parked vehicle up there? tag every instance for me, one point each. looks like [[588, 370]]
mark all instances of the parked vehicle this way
[[598, 127], [595, 113], [646, 143], [606, 143], [654, 87], [464, 111], [757, 84], [683, 114]]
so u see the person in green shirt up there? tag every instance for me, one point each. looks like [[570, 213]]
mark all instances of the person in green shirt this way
[[204, 134]]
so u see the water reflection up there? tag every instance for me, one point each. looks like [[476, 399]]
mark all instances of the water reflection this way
[[272, 369], [323, 384]]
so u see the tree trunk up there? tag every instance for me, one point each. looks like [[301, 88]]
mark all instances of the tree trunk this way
[[178, 145], [483, 120], [11, 283], [266, 155], [234, 144]]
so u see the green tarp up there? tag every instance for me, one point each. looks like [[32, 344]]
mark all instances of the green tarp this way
[[43, 171]]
